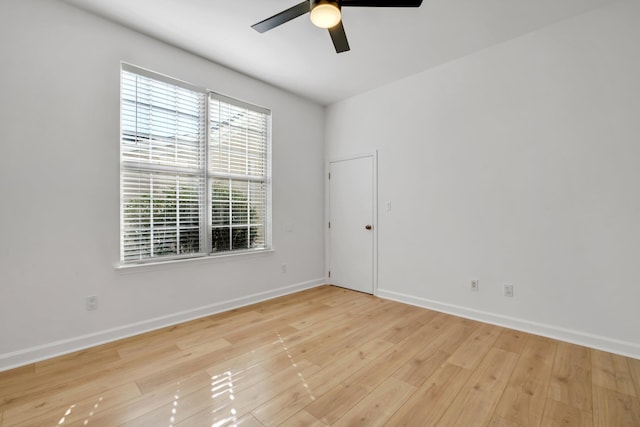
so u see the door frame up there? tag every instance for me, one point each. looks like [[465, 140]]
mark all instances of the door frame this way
[[374, 157]]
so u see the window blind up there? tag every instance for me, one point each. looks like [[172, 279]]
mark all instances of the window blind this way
[[162, 168], [238, 137], [194, 170]]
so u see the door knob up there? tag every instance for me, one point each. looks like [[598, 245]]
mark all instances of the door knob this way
[[368, 227]]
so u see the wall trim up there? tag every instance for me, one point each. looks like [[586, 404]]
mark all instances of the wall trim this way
[[58, 348], [598, 342]]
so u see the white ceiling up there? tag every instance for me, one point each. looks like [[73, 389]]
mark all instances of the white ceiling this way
[[386, 43]]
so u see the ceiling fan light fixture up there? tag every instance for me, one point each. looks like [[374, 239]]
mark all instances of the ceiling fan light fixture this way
[[325, 14]]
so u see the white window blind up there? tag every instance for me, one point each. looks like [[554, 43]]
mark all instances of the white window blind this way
[[237, 173], [186, 191]]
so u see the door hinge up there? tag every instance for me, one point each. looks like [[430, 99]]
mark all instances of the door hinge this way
[[329, 175], [329, 224], [329, 273]]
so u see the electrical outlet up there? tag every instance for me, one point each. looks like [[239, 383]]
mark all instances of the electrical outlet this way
[[508, 290], [475, 285], [283, 268], [92, 302]]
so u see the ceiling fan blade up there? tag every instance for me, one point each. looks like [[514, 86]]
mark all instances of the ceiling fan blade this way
[[282, 17], [381, 3], [339, 38]]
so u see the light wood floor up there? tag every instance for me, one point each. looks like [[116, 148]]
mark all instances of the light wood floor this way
[[327, 356]]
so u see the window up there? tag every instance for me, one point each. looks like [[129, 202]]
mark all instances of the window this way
[[194, 171]]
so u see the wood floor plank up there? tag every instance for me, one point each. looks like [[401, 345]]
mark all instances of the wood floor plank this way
[[560, 414], [228, 405], [70, 362], [430, 401], [325, 346], [498, 421], [407, 325], [77, 400], [94, 382], [437, 349], [478, 398], [285, 405], [571, 376], [287, 303], [197, 331], [379, 405], [252, 397], [375, 324], [326, 356], [392, 362], [19, 372], [210, 345], [97, 378], [11, 379], [185, 363], [181, 409], [320, 317], [265, 330], [271, 323], [343, 298], [472, 351], [247, 420], [611, 408], [612, 371], [200, 358], [356, 361], [197, 338], [223, 399], [512, 341], [164, 397], [524, 399], [302, 419], [298, 344], [634, 368], [336, 402], [334, 337]]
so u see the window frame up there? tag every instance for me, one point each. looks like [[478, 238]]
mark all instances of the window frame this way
[[205, 197]]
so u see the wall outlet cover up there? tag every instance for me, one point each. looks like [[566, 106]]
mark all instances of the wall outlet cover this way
[[508, 290]]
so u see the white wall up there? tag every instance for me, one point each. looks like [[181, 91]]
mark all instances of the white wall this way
[[59, 188], [519, 164]]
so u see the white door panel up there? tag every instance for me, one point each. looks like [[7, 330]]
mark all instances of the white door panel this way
[[351, 215]]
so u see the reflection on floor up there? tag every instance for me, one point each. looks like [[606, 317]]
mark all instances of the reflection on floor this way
[[327, 356]]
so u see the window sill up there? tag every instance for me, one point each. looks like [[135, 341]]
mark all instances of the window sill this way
[[156, 265]]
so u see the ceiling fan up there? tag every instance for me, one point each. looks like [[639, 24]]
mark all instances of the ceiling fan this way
[[326, 14]]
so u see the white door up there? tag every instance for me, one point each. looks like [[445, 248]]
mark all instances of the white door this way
[[351, 223]]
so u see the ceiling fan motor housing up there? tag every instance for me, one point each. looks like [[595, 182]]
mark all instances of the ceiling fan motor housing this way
[[314, 3], [327, 14]]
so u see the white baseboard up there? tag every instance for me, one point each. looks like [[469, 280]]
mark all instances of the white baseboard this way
[[576, 337], [58, 348]]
